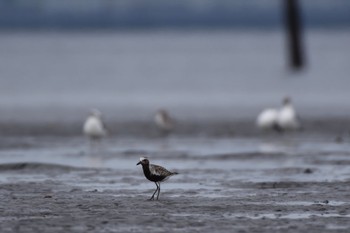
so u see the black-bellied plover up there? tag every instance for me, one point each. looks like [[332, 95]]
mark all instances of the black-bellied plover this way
[[94, 127], [164, 121], [155, 174]]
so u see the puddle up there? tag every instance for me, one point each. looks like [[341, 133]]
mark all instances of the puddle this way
[[286, 216], [307, 203]]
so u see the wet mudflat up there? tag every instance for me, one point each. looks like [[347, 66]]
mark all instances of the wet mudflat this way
[[39, 207], [276, 184]]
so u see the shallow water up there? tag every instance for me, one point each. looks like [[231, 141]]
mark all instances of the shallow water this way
[[59, 76], [245, 159]]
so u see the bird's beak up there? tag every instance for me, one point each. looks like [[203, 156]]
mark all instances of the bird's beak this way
[[138, 163]]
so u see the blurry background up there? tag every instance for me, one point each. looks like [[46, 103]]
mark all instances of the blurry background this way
[[201, 59]]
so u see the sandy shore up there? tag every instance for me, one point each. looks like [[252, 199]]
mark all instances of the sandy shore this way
[[42, 207], [253, 192]]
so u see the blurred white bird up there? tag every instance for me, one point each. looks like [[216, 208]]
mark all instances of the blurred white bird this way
[[282, 119], [93, 126], [287, 116], [267, 119], [164, 121]]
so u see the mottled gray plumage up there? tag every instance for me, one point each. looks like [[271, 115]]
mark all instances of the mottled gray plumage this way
[[155, 173], [159, 171]]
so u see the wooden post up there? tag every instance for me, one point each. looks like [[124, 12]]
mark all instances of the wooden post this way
[[296, 56]]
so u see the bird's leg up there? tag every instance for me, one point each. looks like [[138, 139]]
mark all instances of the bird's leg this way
[[158, 191], [154, 191]]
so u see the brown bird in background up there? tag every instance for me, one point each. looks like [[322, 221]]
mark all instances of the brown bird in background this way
[[164, 121]]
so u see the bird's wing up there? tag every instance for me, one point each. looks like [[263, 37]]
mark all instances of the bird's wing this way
[[158, 170]]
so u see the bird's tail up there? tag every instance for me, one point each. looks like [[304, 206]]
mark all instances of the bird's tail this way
[[174, 173]]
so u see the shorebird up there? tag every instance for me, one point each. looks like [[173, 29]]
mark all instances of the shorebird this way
[[268, 119], [164, 121], [155, 173], [93, 126], [287, 116], [282, 119]]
